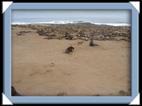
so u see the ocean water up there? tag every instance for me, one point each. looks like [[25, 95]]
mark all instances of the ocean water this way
[[106, 17]]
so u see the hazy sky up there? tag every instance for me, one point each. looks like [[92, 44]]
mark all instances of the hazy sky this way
[[81, 15]]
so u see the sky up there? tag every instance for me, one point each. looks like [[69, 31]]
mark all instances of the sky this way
[[72, 15]]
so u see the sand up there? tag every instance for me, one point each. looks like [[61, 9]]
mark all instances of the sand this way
[[41, 68]]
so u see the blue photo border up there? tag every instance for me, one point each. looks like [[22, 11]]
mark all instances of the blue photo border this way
[[72, 99]]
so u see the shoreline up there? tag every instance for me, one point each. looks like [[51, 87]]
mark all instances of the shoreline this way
[[44, 23]]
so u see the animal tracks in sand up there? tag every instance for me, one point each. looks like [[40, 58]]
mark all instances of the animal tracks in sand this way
[[43, 71]]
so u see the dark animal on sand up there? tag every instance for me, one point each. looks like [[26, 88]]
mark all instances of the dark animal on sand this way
[[70, 49], [92, 42], [14, 92]]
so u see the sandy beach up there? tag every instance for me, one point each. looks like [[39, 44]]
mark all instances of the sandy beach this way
[[41, 68]]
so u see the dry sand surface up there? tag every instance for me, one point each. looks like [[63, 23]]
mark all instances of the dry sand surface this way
[[40, 66]]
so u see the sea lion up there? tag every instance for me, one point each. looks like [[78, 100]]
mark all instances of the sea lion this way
[[70, 49]]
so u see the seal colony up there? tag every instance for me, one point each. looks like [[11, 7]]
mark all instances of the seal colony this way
[[81, 31], [71, 60]]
